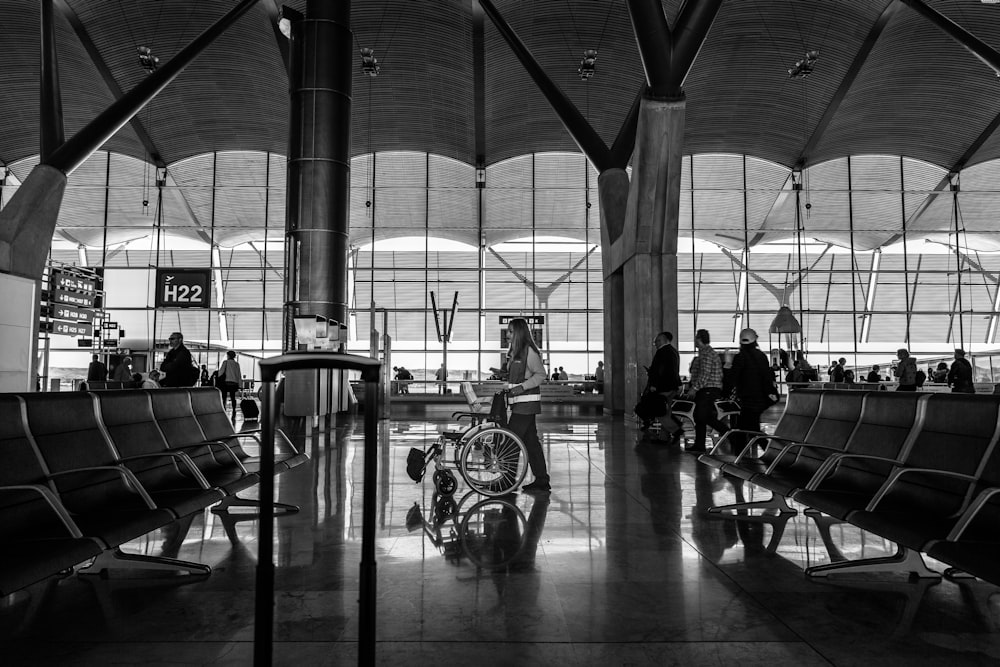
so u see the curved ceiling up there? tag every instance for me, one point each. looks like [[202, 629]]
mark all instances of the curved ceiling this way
[[886, 81]]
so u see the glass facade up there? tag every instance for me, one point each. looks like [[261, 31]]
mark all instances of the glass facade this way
[[871, 253]]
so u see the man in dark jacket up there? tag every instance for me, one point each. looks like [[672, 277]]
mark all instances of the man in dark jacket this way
[[664, 379], [97, 370], [960, 375], [178, 366], [752, 381]]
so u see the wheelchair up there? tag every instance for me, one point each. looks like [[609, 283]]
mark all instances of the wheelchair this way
[[491, 459]]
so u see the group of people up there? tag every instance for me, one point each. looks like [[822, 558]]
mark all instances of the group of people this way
[[749, 378], [177, 370], [959, 376], [401, 380]]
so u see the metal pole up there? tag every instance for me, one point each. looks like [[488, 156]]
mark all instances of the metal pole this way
[[367, 615], [264, 601]]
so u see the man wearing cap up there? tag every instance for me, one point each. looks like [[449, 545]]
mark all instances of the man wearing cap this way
[[753, 382], [706, 386], [960, 375]]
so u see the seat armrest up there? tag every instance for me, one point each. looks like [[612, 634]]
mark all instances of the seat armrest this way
[[798, 446], [970, 513], [180, 456], [285, 439], [214, 444], [725, 437], [52, 501], [834, 462], [897, 474], [128, 477]]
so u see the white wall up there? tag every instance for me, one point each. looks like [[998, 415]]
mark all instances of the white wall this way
[[18, 321]]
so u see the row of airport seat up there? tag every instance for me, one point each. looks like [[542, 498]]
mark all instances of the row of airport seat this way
[[86, 472], [921, 470]]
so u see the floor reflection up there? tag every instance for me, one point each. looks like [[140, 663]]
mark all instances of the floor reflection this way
[[621, 564]]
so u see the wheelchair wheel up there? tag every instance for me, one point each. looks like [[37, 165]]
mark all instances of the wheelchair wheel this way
[[445, 482], [493, 461], [493, 532]]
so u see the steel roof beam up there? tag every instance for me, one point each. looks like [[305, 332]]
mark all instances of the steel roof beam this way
[[583, 134], [848, 81], [84, 143], [109, 80]]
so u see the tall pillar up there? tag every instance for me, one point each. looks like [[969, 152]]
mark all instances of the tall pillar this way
[[319, 164], [648, 242]]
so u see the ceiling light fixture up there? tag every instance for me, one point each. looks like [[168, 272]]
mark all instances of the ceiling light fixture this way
[[369, 63], [287, 16], [588, 66], [147, 60], [804, 67]]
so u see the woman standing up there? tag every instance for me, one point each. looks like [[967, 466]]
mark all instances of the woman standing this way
[[229, 372], [526, 374]]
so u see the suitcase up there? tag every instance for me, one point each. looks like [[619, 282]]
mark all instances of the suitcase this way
[[250, 410]]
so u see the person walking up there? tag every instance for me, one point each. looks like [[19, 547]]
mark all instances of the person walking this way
[[177, 367], [97, 371], [231, 375], [905, 370], [123, 371], [706, 388], [960, 375], [526, 374], [663, 378], [752, 381]]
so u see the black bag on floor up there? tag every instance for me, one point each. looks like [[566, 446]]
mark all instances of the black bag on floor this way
[[416, 463], [249, 408], [650, 406]]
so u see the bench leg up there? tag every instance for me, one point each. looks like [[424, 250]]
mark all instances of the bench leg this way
[[775, 502], [116, 559], [905, 560], [226, 503]]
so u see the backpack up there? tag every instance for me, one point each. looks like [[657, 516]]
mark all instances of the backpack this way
[[921, 378]]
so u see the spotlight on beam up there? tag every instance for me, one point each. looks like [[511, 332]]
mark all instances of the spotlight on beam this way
[[804, 67], [588, 66], [369, 63], [147, 60]]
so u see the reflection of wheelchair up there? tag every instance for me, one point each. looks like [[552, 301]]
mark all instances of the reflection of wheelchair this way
[[491, 459], [491, 533]]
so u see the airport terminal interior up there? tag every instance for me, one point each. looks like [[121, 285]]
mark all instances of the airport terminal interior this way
[[831, 173]]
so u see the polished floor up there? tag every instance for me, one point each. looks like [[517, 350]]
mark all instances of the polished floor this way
[[620, 565]]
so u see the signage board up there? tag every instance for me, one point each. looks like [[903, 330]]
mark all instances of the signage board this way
[[81, 299], [64, 312], [72, 328], [183, 288], [59, 279], [530, 319]]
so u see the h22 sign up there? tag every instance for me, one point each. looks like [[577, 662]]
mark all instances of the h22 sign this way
[[183, 288]]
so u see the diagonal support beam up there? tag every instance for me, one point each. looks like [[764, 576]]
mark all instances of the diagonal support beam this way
[[583, 134], [109, 80], [848, 81], [82, 145], [50, 98], [667, 56], [977, 47]]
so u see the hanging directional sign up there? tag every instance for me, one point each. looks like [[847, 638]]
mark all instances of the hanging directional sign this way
[[60, 279], [183, 288], [72, 328], [530, 319], [81, 299], [71, 313]]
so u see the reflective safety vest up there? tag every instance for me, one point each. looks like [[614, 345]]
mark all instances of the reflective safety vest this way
[[528, 403]]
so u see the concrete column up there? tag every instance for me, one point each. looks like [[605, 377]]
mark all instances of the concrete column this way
[[648, 246], [613, 188], [319, 166]]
